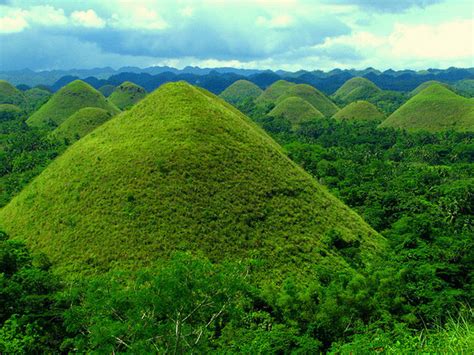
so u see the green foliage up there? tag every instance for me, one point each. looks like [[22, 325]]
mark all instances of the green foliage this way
[[35, 98], [273, 92], [426, 84], [182, 170], [10, 94], [107, 90], [65, 102], [464, 87], [434, 109], [9, 112], [360, 110], [295, 110], [240, 91], [356, 89], [126, 95]]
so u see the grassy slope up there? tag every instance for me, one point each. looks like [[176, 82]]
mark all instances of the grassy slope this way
[[241, 90], [126, 95], [436, 108], [68, 100], [274, 91], [107, 90], [80, 123], [356, 89], [10, 94], [316, 98], [35, 98], [295, 110], [360, 111], [426, 84], [182, 170]]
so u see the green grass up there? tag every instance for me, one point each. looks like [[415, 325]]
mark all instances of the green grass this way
[[356, 89], [274, 91], [9, 112], [10, 94], [107, 90], [296, 111], [315, 97], [80, 123], [35, 98], [434, 109], [426, 84], [66, 101], [360, 111], [126, 95], [182, 170], [239, 91]]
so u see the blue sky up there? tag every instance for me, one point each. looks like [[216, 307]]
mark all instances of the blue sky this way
[[285, 34]]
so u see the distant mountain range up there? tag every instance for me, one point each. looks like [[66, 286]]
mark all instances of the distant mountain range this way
[[217, 79]]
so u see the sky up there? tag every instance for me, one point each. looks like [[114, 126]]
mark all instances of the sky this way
[[258, 34]]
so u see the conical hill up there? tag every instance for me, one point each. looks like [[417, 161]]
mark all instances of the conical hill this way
[[240, 91], [126, 95], [10, 94], [274, 91], [356, 89], [295, 110], [360, 111], [182, 170]]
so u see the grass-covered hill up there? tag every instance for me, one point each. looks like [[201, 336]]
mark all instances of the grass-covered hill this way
[[80, 123], [107, 90], [464, 87], [295, 111], [66, 101], [360, 111], [435, 108], [274, 91], [9, 112], [126, 95], [10, 94], [356, 89], [426, 84], [183, 170], [315, 97], [35, 98], [240, 91]]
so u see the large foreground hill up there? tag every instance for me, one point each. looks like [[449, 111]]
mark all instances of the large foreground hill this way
[[183, 170]]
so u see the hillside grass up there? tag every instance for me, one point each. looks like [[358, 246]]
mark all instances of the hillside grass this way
[[434, 109], [426, 84], [81, 123], [126, 95], [273, 92], [356, 89], [295, 110], [107, 90], [66, 101], [360, 111], [239, 91], [10, 94], [183, 171]]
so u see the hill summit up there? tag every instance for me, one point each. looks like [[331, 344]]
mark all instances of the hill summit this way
[[182, 170], [433, 109], [126, 95], [239, 91], [68, 100], [295, 110], [360, 111], [356, 89], [10, 94]]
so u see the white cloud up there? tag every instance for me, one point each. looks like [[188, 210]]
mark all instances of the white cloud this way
[[46, 16], [187, 11], [280, 21], [138, 17], [13, 22], [87, 19]]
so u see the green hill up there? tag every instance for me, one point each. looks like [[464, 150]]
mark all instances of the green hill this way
[[464, 87], [80, 123], [426, 84], [274, 91], [107, 90], [435, 108], [126, 95], [68, 100], [315, 97], [183, 170], [10, 94], [296, 111], [240, 91], [9, 112], [35, 98], [356, 89], [360, 111]]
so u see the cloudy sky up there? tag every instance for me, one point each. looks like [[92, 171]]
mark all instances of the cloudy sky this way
[[285, 34]]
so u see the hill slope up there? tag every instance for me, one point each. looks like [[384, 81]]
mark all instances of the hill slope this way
[[360, 111], [356, 89], [274, 91], [126, 95], [68, 100], [80, 123], [316, 98], [240, 91], [182, 170], [10, 94], [426, 84], [296, 111], [435, 108]]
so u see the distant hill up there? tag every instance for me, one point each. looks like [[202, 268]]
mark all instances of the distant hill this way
[[240, 91], [9, 112], [80, 123], [360, 111], [426, 84], [435, 108], [10, 94], [315, 97], [66, 101], [464, 87], [356, 89], [107, 90], [184, 170], [274, 91], [295, 110], [35, 98], [126, 95]]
